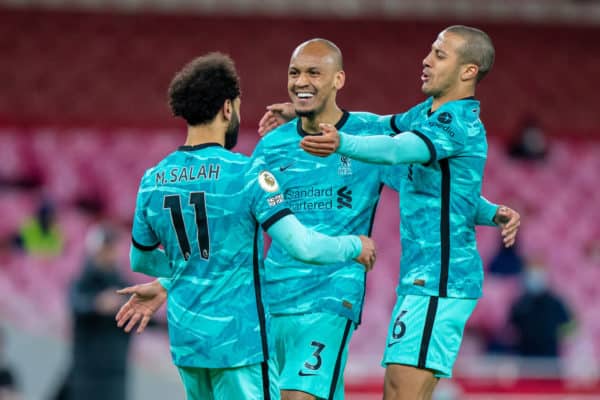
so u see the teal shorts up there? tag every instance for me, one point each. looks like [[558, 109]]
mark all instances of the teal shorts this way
[[311, 351], [251, 382], [426, 332]]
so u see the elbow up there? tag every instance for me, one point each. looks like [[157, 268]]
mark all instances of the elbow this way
[[301, 252]]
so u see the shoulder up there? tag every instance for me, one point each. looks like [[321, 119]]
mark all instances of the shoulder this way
[[466, 111], [148, 178], [367, 123], [280, 134], [424, 105]]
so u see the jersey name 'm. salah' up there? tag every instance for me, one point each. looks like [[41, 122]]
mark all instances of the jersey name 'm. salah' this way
[[188, 174]]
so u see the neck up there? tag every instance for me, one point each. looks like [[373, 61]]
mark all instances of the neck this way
[[330, 115], [206, 133], [456, 94]]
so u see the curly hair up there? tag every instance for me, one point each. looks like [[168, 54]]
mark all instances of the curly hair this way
[[198, 91]]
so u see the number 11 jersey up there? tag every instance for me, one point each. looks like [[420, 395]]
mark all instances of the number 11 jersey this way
[[205, 205]]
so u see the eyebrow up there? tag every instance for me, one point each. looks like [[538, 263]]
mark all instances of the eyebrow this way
[[436, 49]]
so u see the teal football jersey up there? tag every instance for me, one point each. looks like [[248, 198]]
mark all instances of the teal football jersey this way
[[333, 195], [205, 205], [440, 201]]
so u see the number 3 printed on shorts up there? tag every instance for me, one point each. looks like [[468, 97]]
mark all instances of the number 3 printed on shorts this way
[[317, 355]]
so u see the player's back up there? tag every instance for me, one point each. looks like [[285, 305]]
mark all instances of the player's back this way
[[197, 203]]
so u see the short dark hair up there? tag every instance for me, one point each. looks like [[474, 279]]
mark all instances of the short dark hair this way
[[478, 48], [198, 91]]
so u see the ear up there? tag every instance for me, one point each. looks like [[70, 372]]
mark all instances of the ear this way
[[469, 72], [339, 80], [227, 109]]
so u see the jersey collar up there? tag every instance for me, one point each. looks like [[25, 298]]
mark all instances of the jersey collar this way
[[429, 112], [198, 147], [338, 125]]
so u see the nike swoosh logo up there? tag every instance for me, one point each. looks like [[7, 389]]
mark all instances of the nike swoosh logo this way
[[284, 167], [305, 374], [392, 343]]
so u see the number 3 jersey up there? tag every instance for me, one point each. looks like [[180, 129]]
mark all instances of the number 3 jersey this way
[[333, 195], [205, 205]]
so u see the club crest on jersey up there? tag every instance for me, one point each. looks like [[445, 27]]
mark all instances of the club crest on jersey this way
[[345, 167], [267, 182], [445, 118]]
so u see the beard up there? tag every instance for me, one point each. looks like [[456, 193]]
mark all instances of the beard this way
[[231, 134], [307, 113]]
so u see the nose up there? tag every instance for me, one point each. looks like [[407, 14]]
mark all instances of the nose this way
[[301, 80], [427, 60]]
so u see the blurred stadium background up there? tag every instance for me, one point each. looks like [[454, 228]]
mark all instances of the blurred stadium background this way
[[83, 113]]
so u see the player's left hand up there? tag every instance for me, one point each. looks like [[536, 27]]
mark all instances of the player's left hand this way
[[145, 300], [322, 145], [509, 221]]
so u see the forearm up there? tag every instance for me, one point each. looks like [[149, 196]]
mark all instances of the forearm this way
[[486, 211], [153, 263], [311, 246], [381, 149]]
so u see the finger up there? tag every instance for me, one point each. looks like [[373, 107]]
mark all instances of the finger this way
[[143, 324], [509, 230], [509, 240], [128, 290], [513, 223], [326, 127], [318, 150], [317, 139], [132, 322], [125, 317], [122, 311], [265, 117], [315, 146], [278, 107]]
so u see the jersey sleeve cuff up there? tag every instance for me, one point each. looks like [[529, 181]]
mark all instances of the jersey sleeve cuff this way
[[430, 146], [275, 217], [142, 247], [394, 126]]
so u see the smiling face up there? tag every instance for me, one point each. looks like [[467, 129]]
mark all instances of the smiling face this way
[[314, 76], [443, 66]]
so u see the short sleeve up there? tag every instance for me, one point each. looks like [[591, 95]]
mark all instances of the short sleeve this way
[[266, 196], [142, 234], [444, 133], [383, 124], [403, 122]]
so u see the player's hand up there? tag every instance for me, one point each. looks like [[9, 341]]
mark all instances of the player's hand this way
[[322, 145], [509, 221], [144, 301], [277, 114], [367, 255]]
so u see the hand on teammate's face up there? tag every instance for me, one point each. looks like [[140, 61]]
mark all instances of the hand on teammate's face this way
[[322, 145], [509, 221], [368, 254]]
